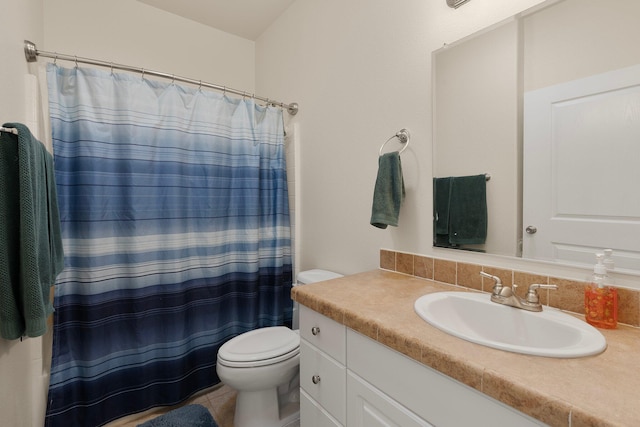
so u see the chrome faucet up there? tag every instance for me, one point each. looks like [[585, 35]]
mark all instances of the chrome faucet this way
[[507, 295]]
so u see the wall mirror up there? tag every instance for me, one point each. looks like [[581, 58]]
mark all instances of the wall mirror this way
[[547, 104]]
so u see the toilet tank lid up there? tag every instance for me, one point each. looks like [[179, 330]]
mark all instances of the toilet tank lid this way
[[316, 275]]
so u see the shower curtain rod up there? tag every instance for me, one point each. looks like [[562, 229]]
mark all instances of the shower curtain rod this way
[[31, 53]]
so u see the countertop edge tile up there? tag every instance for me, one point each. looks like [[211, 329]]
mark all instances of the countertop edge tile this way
[[404, 344], [467, 373], [545, 408], [361, 324]]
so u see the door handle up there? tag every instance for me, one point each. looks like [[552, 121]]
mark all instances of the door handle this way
[[531, 230]]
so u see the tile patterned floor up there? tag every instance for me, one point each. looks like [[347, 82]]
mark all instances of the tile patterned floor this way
[[221, 402]]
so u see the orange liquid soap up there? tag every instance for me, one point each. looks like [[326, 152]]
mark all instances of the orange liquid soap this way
[[601, 306]]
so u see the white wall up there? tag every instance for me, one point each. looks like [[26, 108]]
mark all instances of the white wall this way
[[361, 71], [553, 55], [133, 33]]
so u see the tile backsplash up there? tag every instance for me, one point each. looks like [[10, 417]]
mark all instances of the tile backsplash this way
[[569, 296]]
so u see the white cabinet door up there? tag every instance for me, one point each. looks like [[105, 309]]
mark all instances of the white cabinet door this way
[[368, 407], [323, 379], [581, 154], [313, 415]]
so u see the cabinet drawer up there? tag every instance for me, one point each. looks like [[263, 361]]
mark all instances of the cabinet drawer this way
[[324, 379], [369, 407], [312, 415], [324, 333]]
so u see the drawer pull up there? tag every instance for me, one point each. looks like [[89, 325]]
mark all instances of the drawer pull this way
[[315, 330], [315, 379]]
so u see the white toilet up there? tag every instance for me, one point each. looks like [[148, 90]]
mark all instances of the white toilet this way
[[263, 367]]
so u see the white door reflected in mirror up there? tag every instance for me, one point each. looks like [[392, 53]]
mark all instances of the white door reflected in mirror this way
[[578, 140]]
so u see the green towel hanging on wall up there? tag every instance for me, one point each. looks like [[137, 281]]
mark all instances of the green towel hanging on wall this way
[[31, 254], [388, 193]]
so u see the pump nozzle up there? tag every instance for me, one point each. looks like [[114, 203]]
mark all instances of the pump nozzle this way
[[608, 259], [599, 269]]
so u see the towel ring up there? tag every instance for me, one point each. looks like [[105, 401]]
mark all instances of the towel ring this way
[[403, 136]]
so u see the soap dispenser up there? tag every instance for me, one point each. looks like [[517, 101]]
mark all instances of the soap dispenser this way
[[601, 298]]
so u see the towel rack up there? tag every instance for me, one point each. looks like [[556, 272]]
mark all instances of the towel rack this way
[[403, 136], [9, 130]]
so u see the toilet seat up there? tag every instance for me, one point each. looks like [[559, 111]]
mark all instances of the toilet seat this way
[[260, 347]]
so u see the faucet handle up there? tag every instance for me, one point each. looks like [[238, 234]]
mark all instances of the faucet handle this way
[[497, 283], [489, 276], [532, 294]]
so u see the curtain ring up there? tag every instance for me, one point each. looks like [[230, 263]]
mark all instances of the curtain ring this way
[[55, 59], [143, 74], [76, 61], [112, 67], [173, 79], [200, 85]]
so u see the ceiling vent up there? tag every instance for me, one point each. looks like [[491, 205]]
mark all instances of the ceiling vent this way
[[456, 3]]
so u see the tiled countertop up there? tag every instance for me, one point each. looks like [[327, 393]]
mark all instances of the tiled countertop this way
[[591, 391]]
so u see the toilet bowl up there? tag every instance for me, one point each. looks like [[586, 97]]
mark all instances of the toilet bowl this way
[[263, 367], [260, 365]]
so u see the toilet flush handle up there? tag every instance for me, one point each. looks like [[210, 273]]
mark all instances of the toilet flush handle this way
[[315, 379], [315, 330]]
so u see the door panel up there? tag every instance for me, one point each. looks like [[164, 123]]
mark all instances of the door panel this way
[[581, 169]]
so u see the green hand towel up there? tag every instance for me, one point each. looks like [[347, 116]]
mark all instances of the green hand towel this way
[[441, 201], [468, 210], [31, 254], [388, 193]]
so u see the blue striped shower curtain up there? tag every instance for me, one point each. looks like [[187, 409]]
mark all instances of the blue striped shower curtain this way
[[175, 223]]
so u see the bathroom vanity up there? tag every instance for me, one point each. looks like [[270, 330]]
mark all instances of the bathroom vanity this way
[[368, 360], [349, 370]]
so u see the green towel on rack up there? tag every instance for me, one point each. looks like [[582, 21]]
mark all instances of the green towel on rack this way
[[388, 193], [441, 200], [468, 210], [31, 254], [460, 210]]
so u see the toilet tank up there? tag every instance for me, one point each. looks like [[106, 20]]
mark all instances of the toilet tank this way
[[308, 277]]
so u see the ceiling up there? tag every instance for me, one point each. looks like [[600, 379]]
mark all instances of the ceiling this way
[[243, 18]]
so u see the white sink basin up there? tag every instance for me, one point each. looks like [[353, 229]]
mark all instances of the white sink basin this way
[[473, 317]]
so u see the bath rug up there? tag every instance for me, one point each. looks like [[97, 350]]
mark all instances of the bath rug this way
[[188, 416]]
